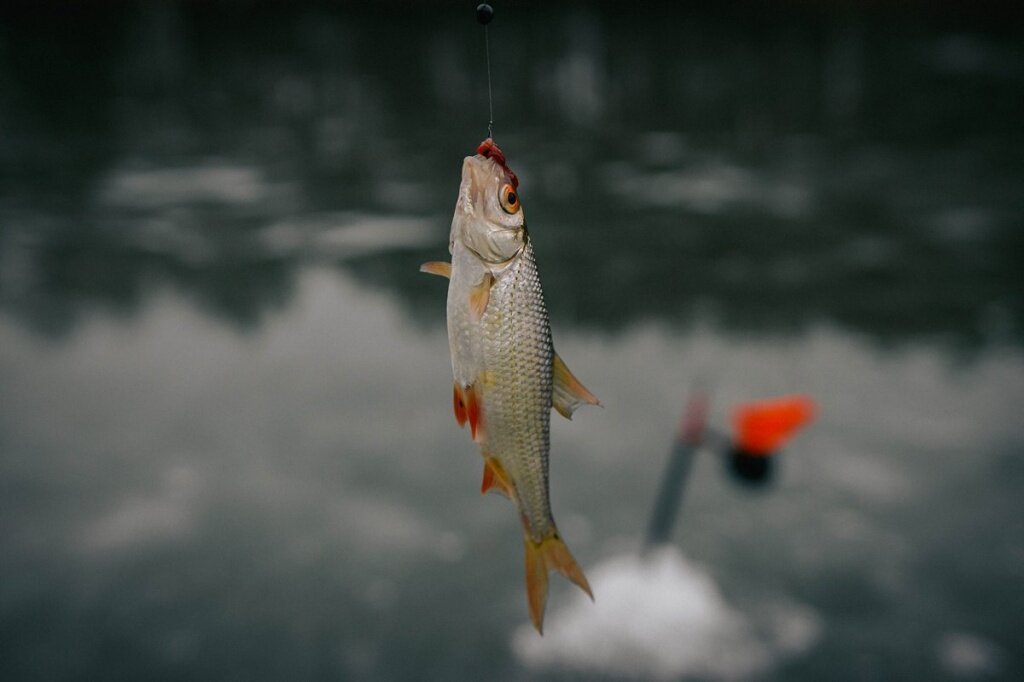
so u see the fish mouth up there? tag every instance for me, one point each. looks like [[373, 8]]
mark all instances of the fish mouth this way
[[478, 170], [489, 149]]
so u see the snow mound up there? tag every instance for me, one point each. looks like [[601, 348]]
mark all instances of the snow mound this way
[[661, 617]]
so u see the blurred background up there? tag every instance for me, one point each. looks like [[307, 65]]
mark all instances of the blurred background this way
[[226, 442]]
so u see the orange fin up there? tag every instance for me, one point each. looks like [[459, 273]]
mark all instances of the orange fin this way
[[567, 392], [459, 404], [496, 478], [437, 267], [762, 427], [550, 554], [479, 296]]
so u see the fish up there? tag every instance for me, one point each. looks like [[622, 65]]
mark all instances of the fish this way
[[507, 375]]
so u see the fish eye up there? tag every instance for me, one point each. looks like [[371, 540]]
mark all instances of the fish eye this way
[[509, 199]]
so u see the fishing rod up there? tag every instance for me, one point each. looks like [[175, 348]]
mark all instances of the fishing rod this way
[[760, 428]]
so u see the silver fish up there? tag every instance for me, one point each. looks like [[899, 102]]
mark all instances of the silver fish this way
[[507, 376]]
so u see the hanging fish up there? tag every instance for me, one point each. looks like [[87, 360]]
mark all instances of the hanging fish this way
[[507, 374]]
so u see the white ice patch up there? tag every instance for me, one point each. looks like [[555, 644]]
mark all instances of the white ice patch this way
[[347, 234], [713, 188], [662, 617], [212, 181], [964, 655], [963, 225], [167, 513], [388, 526]]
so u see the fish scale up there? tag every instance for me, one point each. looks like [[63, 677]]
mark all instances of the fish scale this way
[[517, 352]]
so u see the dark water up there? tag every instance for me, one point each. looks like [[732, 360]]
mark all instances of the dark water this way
[[226, 449]]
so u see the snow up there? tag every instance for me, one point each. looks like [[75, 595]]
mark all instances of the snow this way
[[660, 616]]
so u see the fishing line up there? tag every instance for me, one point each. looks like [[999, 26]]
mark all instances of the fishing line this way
[[490, 97], [484, 14]]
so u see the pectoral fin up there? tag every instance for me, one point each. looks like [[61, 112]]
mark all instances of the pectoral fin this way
[[437, 267], [568, 393], [479, 296]]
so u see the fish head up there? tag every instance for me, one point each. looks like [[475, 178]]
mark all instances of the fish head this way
[[488, 213]]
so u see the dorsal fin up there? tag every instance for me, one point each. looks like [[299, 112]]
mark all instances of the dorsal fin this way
[[567, 392]]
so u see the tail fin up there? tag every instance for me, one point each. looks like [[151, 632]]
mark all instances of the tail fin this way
[[763, 426], [550, 554]]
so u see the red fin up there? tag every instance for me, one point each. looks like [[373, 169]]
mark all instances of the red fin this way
[[496, 478], [437, 267], [550, 554], [762, 427], [459, 404], [567, 392], [473, 413]]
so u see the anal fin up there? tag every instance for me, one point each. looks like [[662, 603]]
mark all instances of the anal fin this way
[[567, 391], [496, 478]]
